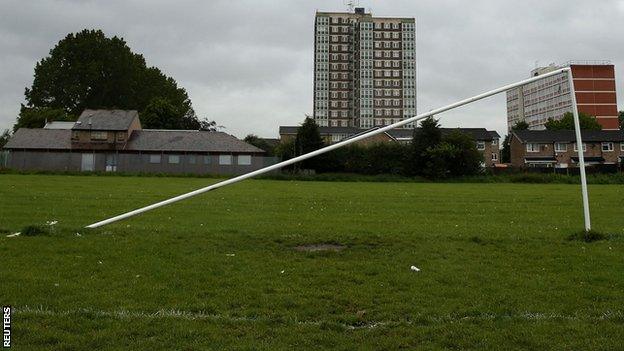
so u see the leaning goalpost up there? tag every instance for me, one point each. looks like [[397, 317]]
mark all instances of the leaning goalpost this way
[[279, 165]]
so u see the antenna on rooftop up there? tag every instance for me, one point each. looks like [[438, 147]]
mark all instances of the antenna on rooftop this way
[[350, 4]]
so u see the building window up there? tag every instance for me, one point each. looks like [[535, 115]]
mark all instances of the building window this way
[[174, 159], [225, 159], [480, 145], [494, 156], [207, 160], [154, 159], [99, 135], [244, 160], [191, 159], [584, 147], [622, 147], [561, 147], [494, 142], [608, 147], [532, 147], [121, 136]]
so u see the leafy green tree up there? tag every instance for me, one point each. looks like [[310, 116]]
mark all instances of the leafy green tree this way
[[438, 159], [466, 160], [36, 117], [285, 150], [506, 150], [307, 140], [260, 143], [428, 135], [161, 114], [567, 122], [520, 125], [88, 70], [4, 137]]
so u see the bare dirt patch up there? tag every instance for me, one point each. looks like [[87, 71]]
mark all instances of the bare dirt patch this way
[[320, 247]]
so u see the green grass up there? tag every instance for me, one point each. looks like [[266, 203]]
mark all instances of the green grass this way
[[497, 268]]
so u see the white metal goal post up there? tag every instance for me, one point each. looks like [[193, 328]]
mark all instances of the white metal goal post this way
[[378, 131]]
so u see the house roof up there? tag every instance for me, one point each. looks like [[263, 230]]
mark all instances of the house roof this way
[[105, 119], [140, 140], [397, 133], [187, 140], [551, 136], [39, 138], [59, 125], [476, 133]]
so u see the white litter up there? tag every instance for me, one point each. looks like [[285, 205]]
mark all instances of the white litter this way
[[282, 272], [14, 235], [230, 255], [51, 222], [100, 262], [415, 269]]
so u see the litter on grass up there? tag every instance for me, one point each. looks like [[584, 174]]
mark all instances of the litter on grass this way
[[415, 269]]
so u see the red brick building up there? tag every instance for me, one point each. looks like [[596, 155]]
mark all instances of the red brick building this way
[[594, 84], [595, 93]]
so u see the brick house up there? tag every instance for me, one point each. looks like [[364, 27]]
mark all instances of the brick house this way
[[487, 141], [557, 148], [113, 141]]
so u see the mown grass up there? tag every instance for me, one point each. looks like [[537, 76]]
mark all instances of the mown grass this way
[[219, 271]]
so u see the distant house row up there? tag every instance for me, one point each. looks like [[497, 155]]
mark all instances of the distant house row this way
[[113, 140], [557, 148]]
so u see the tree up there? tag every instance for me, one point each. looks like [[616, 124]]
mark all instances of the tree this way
[[260, 143], [285, 150], [466, 160], [160, 114], [520, 125], [4, 138], [506, 150], [88, 70], [428, 135], [307, 140], [621, 118], [36, 117], [567, 122]]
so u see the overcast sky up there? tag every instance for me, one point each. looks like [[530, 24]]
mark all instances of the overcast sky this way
[[249, 64]]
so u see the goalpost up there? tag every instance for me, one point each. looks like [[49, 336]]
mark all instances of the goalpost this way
[[340, 144]]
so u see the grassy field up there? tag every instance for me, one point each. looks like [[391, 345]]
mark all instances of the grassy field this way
[[220, 271]]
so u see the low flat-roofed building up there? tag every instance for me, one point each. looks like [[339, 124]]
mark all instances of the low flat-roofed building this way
[[113, 141]]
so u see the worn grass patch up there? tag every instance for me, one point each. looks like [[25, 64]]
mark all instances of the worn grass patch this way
[[220, 271], [589, 236], [320, 247], [33, 230]]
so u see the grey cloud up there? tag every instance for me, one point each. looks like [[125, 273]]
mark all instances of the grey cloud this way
[[248, 64]]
